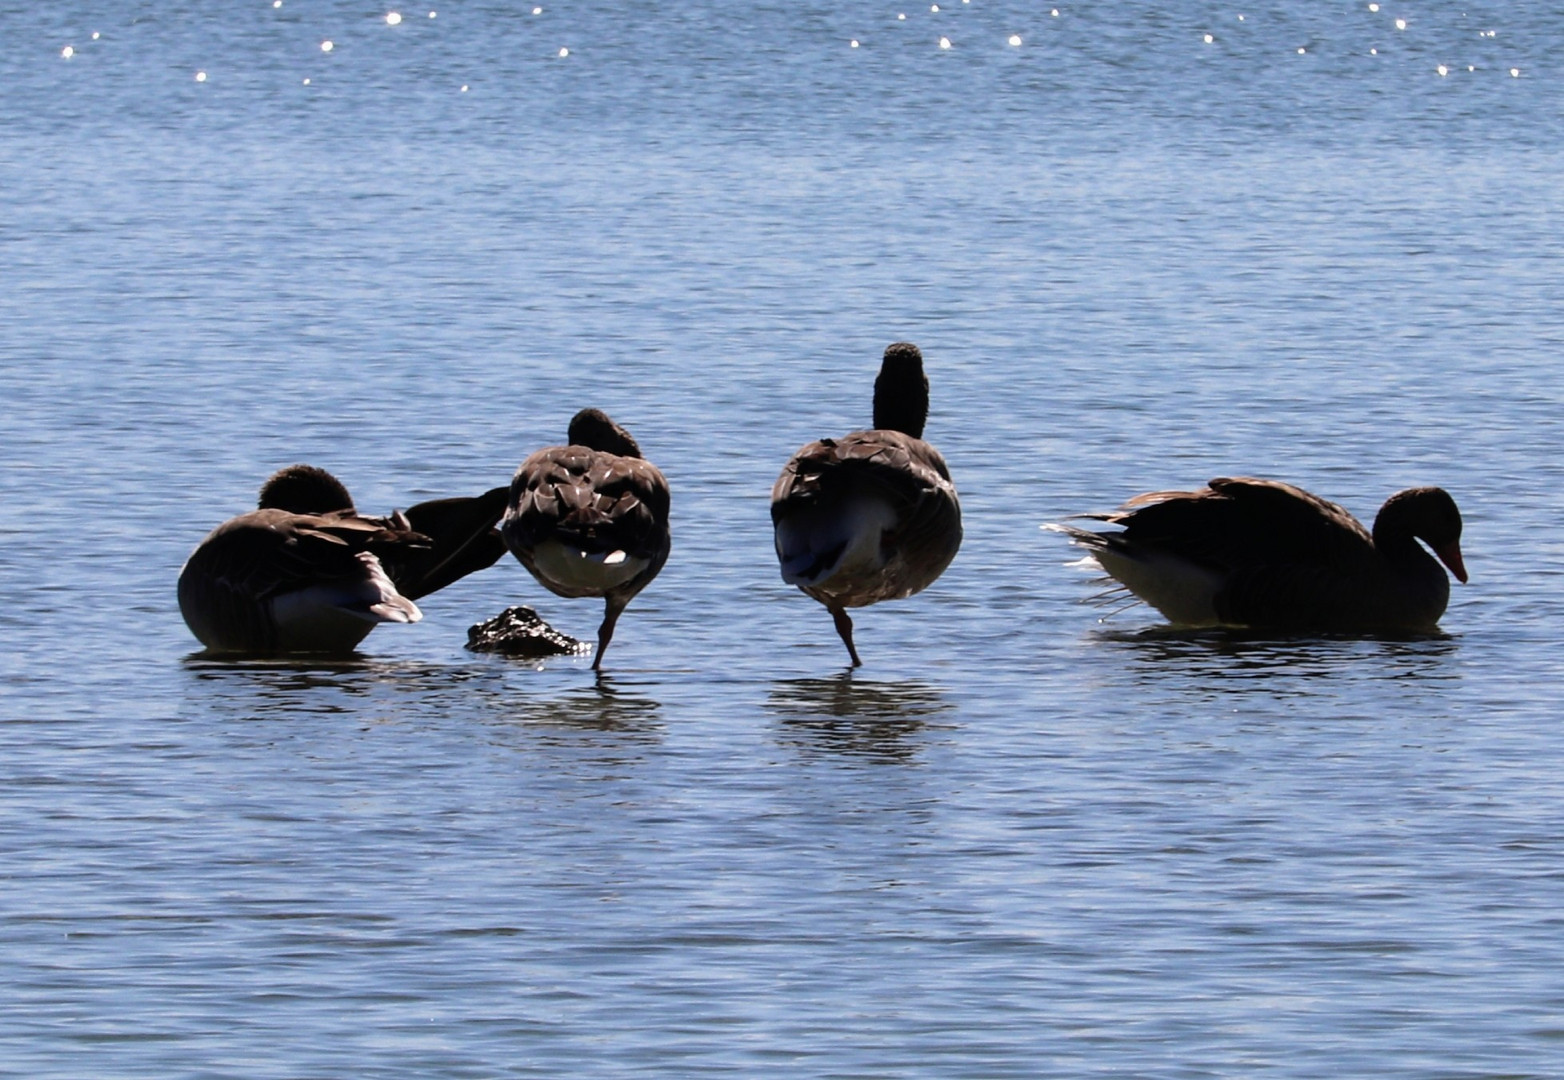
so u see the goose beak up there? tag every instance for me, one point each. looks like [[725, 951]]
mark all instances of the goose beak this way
[[1450, 555]]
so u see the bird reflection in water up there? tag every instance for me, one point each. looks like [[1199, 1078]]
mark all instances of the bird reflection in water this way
[[298, 684], [606, 705], [845, 714], [401, 689], [319, 684], [1236, 655]]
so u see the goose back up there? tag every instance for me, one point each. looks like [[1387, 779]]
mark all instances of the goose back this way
[[597, 503]]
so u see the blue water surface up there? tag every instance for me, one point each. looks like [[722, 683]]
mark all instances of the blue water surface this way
[[1021, 840]]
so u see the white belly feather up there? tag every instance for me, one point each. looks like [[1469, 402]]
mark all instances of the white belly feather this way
[[1184, 592], [584, 572]]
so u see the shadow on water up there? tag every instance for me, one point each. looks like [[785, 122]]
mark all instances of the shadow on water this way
[[1236, 655], [844, 714]]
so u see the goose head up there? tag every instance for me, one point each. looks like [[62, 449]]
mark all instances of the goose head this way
[[593, 429], [1428, 514], [304, 489]]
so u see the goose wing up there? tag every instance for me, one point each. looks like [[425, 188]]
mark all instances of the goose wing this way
[[1242, 523]]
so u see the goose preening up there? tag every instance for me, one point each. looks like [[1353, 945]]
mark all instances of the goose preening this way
[[307, 573], [590, 518], [873, 515], [1266, 555]]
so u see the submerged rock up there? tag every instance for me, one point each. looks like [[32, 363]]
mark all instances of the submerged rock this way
[[518, 631]]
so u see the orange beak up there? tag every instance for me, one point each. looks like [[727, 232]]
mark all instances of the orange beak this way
[[1450, 555]]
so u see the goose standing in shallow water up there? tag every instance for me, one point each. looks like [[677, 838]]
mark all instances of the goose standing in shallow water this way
[[590, 518], [306, 573], [1266, 555], [873, 515]]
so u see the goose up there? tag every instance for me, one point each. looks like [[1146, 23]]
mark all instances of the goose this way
[[1248, 553], [306, 573], [872, 515], [590, 518]]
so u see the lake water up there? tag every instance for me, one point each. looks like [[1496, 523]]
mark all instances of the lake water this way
[[1020, 841]]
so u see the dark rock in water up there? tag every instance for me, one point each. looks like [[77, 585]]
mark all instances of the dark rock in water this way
[[518, 631]]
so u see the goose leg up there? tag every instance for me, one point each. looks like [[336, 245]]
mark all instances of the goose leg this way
[[605, 632], [844, 627]]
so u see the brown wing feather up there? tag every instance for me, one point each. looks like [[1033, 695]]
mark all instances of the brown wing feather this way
[[1243, 523], [591, 499], [903, 469]]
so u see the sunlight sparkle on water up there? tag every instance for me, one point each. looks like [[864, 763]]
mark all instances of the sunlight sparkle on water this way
[[1373, 7], [200, 76], [1442, 70], [1015, 40], [1515, 73], [933, 7], [326, 46], [564, 52], [94, 35], [1401, 24], [1209, 39], [1054, 13], [944, 42], [67, 52], [853, 44], [1301, 50], [393, 18], [1373, 52]]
